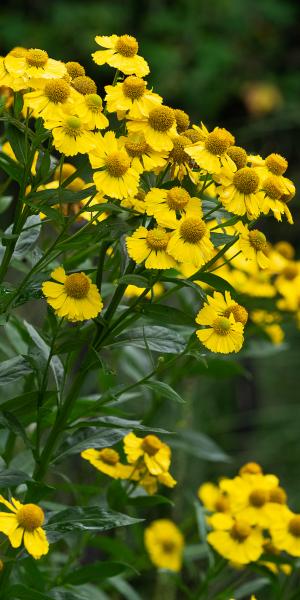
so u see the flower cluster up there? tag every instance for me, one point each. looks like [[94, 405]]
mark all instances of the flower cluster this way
[[250, 519], [148, 462], [180, 187]]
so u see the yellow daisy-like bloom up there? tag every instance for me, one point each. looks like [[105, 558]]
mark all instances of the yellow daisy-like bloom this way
[[250, 468], [167, 205], [268, 322], [182, 120], [70, 135], [84, 85], [50, 96], [235, 539], [250, 498], [159, 127], [164, 543], [210, 152], [24, 523], [90, 111], [276, 195], [221, 333], [224, 306], [143, 157], [151, 450], [150, 245], [133, 291], [213, 498], [73, 296], [239, 191], [34, 64], [136, 202], [180, 161], [253, 245], [238, 155], [132, 97], [150, 482], [117, 179], [190, 241], [75, 69], [121, 53], [8, 80], [107, 461], [285, 532]]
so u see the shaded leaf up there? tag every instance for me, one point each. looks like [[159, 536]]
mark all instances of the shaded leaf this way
[[164, 390], [157, 339], [95, 572], [12, 478], [199, 445], [91, 437], [13, 369]]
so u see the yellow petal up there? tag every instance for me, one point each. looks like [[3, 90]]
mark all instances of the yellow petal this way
[[36, 542]]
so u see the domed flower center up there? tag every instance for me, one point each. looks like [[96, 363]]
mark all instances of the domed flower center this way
[[222, 326], [168, 547], [75, 69], [117, 163], [178, 153], [127, 45], [222, 504], [136, 145], [258, 498], [239, 313], [285, 249], [182, 120], [109, 456], [290, 271], [177, 198], [218, 141], [77, 285], [192, 230], [57, 91], [278, 496], [294, 526], [276, 163], [246, 180], [272, 187], [161, 118], [257, 240], [30, 516], [73, 126], [151, 444], [157, 239], [240, 531], [134, 87], [250, 468], [194, 135], [18, 52], [94, 102], [238, 155], [36, 57], [84, 85]]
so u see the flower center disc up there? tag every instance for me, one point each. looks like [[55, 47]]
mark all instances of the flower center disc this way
[[257, 239], [134, 87], [238, 155], [246, 180], [222, 326], [151, 444], [222, 504], [127, 46], [75, 69], [278, 496], [161, 118], [258, 498], [84, 85], [136, 145], [290, 272], [157, 239], [218, 141], [276, 163], [192, 230], [240, 531], [239, 312], [30, 516], [177, 198], [117, 163], [57, 91], [109, 456], [294, 526], [77, 285], [272, 187], [94, 102], [251, 468], [36, 57], [178, 153], [168, 547], [72, 126]]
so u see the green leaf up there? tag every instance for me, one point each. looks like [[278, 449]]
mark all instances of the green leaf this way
[[164, 390], [81, 592], [13, 369], [214, 281], [125, 589], [5, 202], [11, 423], [137, 280], [12, 478], [96, 572], [251, 587], [28, 237], [142, 501], [91, 437], [220, 239], [55, 362], [11, 167], [167, 314], [18, 143], [21, 592], [199, 445], [120, 422], [90, 518], [156, 338]]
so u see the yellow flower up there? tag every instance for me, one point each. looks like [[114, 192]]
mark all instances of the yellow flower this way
[[251, 468], [121, 53], [213, 498], [222, 333], [210, 152], [190, 241], [180, 161], [285, 532], [159, 127], [150, 245], [166, 205], [24, 523], [136, 202], [72, 296], [107, 461], [116, 178], [51, 95], [11, 81], [143, 157], [34, 64], [150, 482], [235, 539], [164, 543], [239, 191], [133, 291], [132, 97], [269, 324], [90, 111], [253, 245], [84, 85], [276, 196], [70, 135], [151, 450]]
